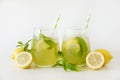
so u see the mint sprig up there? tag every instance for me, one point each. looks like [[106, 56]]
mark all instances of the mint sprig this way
[[70, 67], [63, 63], [24, 45]]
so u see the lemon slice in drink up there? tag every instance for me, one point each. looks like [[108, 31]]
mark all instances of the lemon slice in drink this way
[[23, 60], [95, 60]]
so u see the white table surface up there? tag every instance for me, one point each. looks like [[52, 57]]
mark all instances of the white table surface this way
[[10, 72]]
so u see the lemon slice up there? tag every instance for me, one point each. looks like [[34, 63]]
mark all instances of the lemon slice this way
[[23, 60], [95, 60]]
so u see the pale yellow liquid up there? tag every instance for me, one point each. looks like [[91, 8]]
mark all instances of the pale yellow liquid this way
[[43, 56], [71, 48]]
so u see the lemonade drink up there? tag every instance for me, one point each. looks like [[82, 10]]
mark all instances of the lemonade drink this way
[[44, 50], [75, 46]]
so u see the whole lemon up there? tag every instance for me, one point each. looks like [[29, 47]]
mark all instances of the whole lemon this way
[[17, 51], [107, 55]]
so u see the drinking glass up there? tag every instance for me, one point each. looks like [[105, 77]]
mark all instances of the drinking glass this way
[[75, 45], [44, 47]]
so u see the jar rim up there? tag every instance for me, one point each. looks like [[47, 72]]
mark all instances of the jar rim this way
[[43, 27], [74, 27]]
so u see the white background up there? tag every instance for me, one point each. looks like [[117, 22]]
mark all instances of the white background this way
[[18, 17]]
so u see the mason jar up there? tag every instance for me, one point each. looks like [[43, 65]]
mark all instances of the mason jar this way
[[44, 46], [75, 45]]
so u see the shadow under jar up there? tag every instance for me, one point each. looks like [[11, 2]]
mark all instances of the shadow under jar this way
[[44, 47], [75, 46]]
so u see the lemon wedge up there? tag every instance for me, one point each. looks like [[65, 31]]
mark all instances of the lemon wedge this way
[[23, 60], [95, 60]]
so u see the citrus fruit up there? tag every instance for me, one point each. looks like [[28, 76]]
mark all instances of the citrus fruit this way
[[42, 44], [72, 45], [75, 50], [76, 44], [107, 55], [17, 51], [95, 60], [23, 60]]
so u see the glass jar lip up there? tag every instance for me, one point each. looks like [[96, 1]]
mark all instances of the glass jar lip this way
[[43, 28], [74, 27]]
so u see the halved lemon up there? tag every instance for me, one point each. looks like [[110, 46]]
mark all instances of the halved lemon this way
[[23, 60], [95, 60]]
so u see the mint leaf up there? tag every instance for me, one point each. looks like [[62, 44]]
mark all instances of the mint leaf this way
[[63, 63], [47, 40], [58, 63], [19, 42], [25, 45], [60, 59], [42, 36], [83, 46], [50, 42], [60, 54], [69, 66]]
